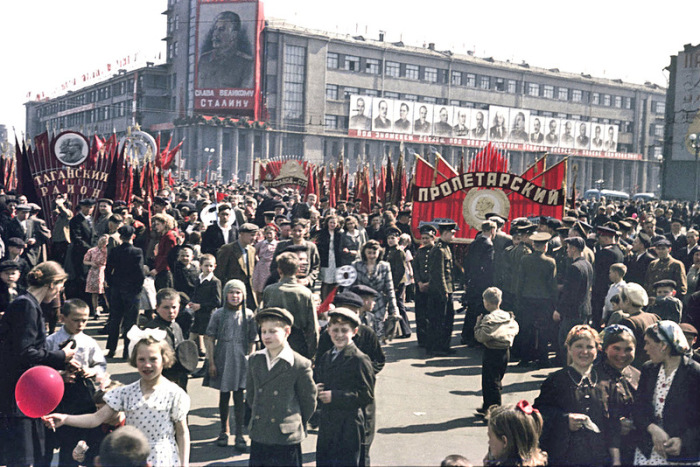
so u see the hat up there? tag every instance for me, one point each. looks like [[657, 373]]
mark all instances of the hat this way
[[348, 299], [664, 283], [427, 229], [492, 216], [662, 242], [106, 200], [8, 265], [17, 242], [23, 208], [606, 231], [541, 237], [126, 231], [525, 228], [645, 239], [405, 212], [187, 355], [553, 223], [580, 228], [34, 207], [576, 242], [341, 201], [269, 213], [445, 224], [346, 314], [279, 204], [223, 207], [363, 290], [393, 231], [274, 192], [248, 228], [636, 294], [120, 203], [86, 202], [160, 201], [676, 219], [671, 334], [624, 225], [687, 328], [275, 313]]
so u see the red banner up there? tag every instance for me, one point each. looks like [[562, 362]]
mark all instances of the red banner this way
[[290, 173]]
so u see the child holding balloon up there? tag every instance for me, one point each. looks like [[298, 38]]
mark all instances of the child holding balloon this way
[[153, 404]]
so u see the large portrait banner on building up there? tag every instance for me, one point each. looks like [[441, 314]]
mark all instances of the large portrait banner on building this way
[[228, 57]]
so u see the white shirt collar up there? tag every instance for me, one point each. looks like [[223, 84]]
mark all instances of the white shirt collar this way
[[286, 354], [208, 277]]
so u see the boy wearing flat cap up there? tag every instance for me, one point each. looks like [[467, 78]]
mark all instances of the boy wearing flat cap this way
[[665, 267], [281, 393], [345, 381]]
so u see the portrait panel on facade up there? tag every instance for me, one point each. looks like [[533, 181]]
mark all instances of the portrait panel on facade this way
[[479, 124], [537, 130], [567, 138], [597, 135], [360, 112], [462, 122], [423, 118], [382, 111], [442, 118], [519, 121], [500, 123], [551, 136], [583, 135], [403, 117], [226, 45], [610, 140]]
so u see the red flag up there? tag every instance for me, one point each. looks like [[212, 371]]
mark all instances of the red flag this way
[[325, 305], [171, 156], [332, 188], [536, 168], [389, 181]]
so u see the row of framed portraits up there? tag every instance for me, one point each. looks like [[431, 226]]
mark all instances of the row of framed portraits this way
[[495, 124]]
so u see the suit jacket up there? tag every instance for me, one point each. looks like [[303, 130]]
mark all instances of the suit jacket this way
[[349, 376], [124, 269], [637, 267], [81, 232], [575, 297], [478, 267], [282, 399], [213, 238], [36, 229], [678, 246], [207, 295], [230, 264], [681, 409]]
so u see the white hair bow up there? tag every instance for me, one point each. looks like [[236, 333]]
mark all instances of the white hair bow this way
[[136, 334]]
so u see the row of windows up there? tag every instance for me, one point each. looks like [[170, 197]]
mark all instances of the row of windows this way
[[459, 78], [89, 116], [89, 97]]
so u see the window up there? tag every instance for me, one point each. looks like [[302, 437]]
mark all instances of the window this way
[[410, 97], [533, 89], [391, 95], [659, 107], [627, 102], [330, 122], [332, 60], [618, 102], [372, 66], [563, 94], [348, 91], [576, 95], [595, 100], [412, 71], [371, 92], [455, 103], [607, 99], [392, 69], [548, 91], [500, 84], [332, 91], [512, 86], [658, 154], [430, 74], [456, 79], [294, 77], [484, 82], [659, 131], [429, 100], [352, 63], [471, 80]]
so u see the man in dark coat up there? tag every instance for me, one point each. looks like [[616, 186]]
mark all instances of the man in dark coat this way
[[638, 262], [124, 276], [33, 231], [220, 232], [678, 240], [574, 305], [441, 313], [81, 235], [478, 276], [606, 256]]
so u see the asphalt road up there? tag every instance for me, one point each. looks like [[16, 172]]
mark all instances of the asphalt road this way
[[425, 407]]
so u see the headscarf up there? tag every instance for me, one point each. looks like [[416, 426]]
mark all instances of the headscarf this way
[[671, 334], [234, 284], [612, 331]]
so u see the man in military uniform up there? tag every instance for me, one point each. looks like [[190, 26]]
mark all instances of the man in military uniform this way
[[509, 272], [515, 257], [536, 299], [478, 276], [421, 277], [665, 267], [608, 254], [440, 288]]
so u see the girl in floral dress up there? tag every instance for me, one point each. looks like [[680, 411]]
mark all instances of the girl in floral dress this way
[[96, 258]]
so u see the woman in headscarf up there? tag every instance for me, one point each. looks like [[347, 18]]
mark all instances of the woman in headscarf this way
[[618, 381], [667, 409]]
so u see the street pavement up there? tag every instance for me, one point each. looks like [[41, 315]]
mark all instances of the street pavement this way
[[425, 407]]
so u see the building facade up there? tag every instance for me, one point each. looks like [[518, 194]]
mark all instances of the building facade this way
[[309, 80]]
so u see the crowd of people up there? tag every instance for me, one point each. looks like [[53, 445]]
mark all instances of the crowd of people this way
[[245, 288]]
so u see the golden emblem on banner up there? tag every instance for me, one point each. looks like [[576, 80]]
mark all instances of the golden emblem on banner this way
[[478, 203]]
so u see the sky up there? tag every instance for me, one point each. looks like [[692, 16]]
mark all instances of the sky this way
[[48, 42]]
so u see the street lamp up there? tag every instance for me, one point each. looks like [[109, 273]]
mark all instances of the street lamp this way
[[209, 152], [695, 144]]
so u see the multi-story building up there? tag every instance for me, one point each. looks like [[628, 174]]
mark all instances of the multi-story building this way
[[681, 165], [310, 80]]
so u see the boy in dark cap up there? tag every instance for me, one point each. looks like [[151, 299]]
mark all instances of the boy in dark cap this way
[[665, 267], [666, 305], [15, 248], [9, 289]]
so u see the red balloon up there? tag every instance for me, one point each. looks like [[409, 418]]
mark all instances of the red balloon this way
[[39, 391]]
